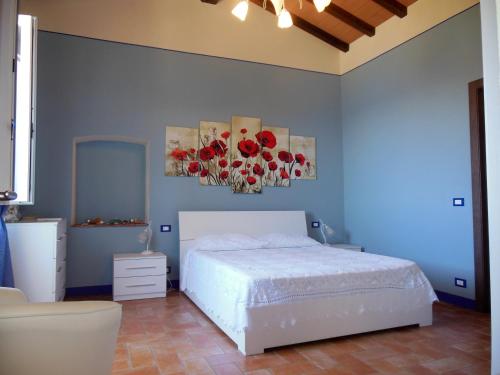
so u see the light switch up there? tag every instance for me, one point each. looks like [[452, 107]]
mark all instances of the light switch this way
[[166, 228]]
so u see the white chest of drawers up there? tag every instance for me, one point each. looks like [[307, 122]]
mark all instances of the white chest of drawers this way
[[137, 276], [38, 251]]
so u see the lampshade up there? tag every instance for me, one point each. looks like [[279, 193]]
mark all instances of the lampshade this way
[[321, 4], [241, 10], [278, 6], [285, 19]]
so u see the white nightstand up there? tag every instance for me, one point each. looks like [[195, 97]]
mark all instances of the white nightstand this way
[[347, 246], [137, 276]]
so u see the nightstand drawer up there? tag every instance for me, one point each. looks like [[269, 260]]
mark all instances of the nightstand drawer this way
[[140, 267], [139, 285]]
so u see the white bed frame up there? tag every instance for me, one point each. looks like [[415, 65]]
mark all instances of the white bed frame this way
[[258, 335]]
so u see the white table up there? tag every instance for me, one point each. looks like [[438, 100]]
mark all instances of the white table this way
[[138, 276]]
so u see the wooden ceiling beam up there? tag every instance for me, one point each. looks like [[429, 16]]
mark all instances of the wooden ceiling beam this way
[[319, 33], [310, 28], [350, 19], [393, 6]]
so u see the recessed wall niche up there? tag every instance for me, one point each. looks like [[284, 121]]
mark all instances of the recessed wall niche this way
[[110, 181]]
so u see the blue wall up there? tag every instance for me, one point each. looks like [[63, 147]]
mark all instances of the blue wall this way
[[406, 146], [89, 87], [110, 180], [393, 134]]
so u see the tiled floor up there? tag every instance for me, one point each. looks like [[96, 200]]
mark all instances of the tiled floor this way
[[171, 336]]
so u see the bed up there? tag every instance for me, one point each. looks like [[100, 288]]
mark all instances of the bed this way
[[270, 297]]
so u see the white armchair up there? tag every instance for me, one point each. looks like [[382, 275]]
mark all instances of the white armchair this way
[[63, 338]]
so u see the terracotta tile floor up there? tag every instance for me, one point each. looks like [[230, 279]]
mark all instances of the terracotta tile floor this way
[[171, 336]]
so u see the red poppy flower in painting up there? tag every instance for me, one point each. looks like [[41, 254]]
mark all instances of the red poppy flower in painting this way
[[219, 147], [226, 135], [243, 172], [258, 170], [284, 174], [236, 163], [192, 151], [299, 158], [298, 172], [193, 167], [223, 175], [207, 153], [285, 156], [251, 180], [267, 156], [248, 148], [243, 131], [179, 154], [223, 163], [204, 172], [266, 139], [272, 166]]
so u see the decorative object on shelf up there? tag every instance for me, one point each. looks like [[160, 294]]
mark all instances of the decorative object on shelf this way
[[246, 159], [244, 155], [180, 151], [213, 154], [303, 149], [275, 149], [97, 221], [145, 238], [325, 230], [12, 214], [285, 21]]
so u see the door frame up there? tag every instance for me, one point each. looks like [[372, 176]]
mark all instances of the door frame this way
[[479, 196]]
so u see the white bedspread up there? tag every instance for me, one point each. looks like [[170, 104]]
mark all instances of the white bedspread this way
[[229, 282]]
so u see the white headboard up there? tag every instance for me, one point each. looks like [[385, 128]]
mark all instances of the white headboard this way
[[193, 224]]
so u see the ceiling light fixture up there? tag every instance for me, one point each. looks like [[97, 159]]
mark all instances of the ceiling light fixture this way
[[321, 4], [285, 19], [240, 11]]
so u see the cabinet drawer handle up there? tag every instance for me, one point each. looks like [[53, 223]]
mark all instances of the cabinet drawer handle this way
[[140, 285], [140, 268], [59, 269]]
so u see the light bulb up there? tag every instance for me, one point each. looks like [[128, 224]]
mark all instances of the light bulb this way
[[321, 4], [240, 10], [284, 19]]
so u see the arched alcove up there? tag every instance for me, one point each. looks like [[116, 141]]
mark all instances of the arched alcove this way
[[110, 180]]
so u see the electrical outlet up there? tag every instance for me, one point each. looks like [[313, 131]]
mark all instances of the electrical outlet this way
[[461, 283], [315, 224], [169, 269], [458, 202], [166, 228]]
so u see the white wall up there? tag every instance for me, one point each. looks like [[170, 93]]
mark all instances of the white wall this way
[[490, 20]]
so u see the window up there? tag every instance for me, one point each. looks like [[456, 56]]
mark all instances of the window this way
[[17, 104], [25, 109]]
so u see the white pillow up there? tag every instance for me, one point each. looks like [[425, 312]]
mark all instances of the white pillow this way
[[227, 242], [276, 240]]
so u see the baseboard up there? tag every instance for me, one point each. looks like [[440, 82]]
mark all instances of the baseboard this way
[[466, 303], [101, 289]]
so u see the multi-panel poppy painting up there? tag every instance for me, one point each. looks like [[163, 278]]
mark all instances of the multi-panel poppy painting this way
[[244, 154]]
